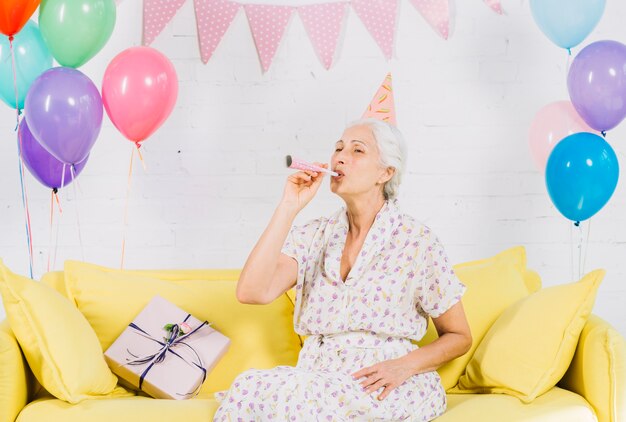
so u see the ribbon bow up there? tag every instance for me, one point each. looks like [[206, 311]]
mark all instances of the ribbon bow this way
[[175, 338]]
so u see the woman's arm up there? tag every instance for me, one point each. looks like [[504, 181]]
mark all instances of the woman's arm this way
[[267, 272], [455, 339]]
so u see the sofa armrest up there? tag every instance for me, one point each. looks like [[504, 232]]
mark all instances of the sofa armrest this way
[[13, 376], [598, 370]]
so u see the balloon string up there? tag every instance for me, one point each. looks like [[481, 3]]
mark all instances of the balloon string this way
[[143, 164], [569, 56], [571, 248], [80, 236], [580, 244], [130, 173], [17, 105], [56, 235], [51, 227], [62, 180], [586, 244], [29, 237], [53, 195]]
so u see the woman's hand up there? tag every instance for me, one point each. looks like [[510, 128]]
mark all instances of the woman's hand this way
[[301, 187], [389, 374]]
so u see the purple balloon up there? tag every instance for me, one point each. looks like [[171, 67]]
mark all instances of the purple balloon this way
[[64, 112], [597, 84], [47, 169]]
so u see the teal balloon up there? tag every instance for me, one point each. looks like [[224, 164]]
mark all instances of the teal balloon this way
[[32, 58], [567, 22], [581, 175]]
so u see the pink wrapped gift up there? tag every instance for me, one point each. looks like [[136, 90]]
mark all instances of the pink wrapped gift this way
[[166, 352]]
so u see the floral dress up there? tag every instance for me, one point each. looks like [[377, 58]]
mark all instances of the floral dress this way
[[399, 279]]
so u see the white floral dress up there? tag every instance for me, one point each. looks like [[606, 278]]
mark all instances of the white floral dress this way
[[400, 277]]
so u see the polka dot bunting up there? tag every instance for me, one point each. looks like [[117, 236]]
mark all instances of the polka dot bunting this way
[[323, 22], [495, 6], [267, 24], [323, 25], [213, 17], [156, 15], [379, 17], [436, 13]]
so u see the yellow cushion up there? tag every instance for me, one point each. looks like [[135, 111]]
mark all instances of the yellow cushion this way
[[493, 284], [557, 405], [261, 336], [58, 343], [532, 343], [138, 408]]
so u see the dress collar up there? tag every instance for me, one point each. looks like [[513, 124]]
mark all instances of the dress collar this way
[[384, 224]]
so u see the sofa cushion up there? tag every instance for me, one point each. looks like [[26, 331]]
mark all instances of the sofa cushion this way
[[61, 348], [493, 284], [261, 336], [127, 409], [557, 405], [530, 346]]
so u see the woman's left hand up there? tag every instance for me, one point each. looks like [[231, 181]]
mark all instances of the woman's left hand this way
[[389, 374]]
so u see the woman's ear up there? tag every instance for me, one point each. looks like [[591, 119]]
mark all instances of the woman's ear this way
[[387, 175]]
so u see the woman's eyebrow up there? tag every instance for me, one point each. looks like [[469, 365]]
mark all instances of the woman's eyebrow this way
[[359, 141], [353, 141]]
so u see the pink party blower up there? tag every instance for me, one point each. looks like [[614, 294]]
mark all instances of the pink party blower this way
[[295, 163]]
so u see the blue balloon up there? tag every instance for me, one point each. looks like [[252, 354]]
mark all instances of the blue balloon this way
[[32, 58], [567, 22], [581, 175]]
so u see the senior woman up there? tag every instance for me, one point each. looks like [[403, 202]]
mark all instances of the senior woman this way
[[367, 278]]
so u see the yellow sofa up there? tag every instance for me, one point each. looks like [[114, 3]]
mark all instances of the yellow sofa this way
[[594, 387]]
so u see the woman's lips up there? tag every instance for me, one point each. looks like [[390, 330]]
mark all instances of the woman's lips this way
[[340, 175]]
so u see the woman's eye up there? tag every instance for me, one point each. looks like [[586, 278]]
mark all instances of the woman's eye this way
[[338, 149], [357, 150]]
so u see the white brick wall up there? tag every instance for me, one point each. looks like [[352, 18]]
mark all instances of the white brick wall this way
[[215, 169]]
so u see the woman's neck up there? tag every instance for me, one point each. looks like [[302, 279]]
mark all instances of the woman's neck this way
[[361, 214]]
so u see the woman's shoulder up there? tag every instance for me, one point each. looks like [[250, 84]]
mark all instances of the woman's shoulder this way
[[414, 226]]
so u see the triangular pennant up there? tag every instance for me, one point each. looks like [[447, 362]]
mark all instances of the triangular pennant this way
[[157, 14], [267, 24], [382, 106], [213, 18], [436, 13], [495, 6], [379, 17], [323, 25]]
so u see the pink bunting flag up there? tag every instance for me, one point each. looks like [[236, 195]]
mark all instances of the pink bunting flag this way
[[267, 24], [379, 17], [156, 15], [323, 25], [213, 18], [436, 13], [495, 6]]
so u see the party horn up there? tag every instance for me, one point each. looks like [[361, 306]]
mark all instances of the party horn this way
[[295, 163]]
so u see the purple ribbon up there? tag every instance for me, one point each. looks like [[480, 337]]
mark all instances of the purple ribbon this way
[[170, 342]]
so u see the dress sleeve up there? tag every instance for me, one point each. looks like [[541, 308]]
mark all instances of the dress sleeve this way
[[300, 240], [439, 288]]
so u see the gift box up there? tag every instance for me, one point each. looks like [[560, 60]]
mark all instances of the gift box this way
[[166, 352]]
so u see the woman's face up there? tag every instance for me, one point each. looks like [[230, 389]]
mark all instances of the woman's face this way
[[357, 160]]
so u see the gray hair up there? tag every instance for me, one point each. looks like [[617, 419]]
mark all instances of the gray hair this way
[[392, 148]]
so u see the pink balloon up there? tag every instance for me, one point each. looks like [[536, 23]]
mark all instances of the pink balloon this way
[[139, 91], [551, 124]]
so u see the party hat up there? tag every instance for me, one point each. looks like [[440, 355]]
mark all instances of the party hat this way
[[381, 107]]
